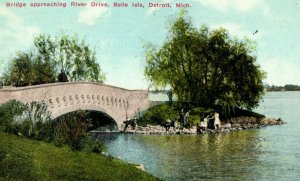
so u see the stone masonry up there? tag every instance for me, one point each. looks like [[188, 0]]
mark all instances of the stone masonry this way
[[62, 98]]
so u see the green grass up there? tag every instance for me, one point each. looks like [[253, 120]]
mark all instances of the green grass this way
[[24, 159]]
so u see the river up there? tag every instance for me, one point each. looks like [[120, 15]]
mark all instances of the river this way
[[271, 153]]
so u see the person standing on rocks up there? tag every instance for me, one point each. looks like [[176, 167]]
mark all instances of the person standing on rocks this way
[[217, 121], [203, 123], [186, 120], [181, 117]]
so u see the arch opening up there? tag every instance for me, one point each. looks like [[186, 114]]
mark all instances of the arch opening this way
[[102, 121], [99, 121]]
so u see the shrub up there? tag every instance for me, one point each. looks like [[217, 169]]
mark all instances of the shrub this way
[[158, 115], [8, 113], [33, 120], [70, 129]]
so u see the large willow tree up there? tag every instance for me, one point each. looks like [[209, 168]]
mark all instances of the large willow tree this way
[[51, 55], [206, 67]]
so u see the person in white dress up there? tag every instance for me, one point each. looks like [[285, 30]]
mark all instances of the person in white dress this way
[[217, 122], [203, 123]]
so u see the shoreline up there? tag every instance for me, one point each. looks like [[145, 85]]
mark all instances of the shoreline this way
[[233, 124]]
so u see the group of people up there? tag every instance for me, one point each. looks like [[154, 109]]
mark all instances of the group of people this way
[[210, 121], [131, 122], [182, 122]]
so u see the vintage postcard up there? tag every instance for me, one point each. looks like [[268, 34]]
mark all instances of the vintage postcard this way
[[149, 90]]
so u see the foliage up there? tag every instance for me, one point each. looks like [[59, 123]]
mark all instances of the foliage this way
[[24, 159], [8, 113], [90, 144], [49, 57], [157, 115], [33, 120], [20, 70], [29, 69], [30, 122], [206, 67], [70, 129], [71, 55]]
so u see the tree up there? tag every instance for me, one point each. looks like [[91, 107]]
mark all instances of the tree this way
[[71, 55], [206, 67], [45, 70], [50, 56], [29, 69], [19, 73]]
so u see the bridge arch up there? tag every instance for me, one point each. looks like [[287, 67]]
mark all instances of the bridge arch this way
[[104, 110], [62, 98], [99, 120]]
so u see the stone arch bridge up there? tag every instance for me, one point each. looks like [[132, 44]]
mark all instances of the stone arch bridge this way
[[62, 98]]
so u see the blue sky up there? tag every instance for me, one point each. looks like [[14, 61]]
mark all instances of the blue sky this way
[[119, 34]]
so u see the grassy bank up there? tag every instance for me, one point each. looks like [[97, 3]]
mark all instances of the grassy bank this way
[[24, 159]]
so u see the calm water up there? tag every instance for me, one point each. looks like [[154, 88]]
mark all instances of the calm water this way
[[271, 153]]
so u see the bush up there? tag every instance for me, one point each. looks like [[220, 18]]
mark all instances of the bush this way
[[24, 119], [157, 115], [70, 129], [8, 113], [33, 120]]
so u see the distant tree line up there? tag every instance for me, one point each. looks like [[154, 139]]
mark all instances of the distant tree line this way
[[51, 56], [287, 87]]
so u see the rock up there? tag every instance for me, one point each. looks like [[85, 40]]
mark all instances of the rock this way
[[212, 131], [193, 131], [226, 130], [141, 167], [236, 125], [220, 131], [201, 132], [227, 125]]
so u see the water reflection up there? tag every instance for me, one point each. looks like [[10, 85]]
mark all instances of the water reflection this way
[[192, 157], [272, 153]]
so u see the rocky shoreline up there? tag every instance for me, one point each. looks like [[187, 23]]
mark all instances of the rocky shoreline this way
[[232, 124]]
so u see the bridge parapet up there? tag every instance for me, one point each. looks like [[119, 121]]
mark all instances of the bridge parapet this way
[[62, 98]]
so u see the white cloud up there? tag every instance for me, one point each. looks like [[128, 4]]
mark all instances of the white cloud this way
[[89, 15], [126, 72], [237, 5], [280, 71], [15, 34]]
